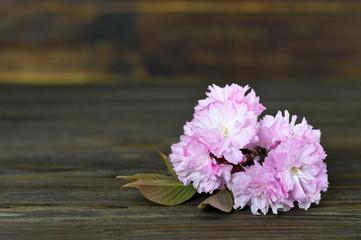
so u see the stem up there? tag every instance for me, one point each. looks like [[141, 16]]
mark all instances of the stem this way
[[250, 155]]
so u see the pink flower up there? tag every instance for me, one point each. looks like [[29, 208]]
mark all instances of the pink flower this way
[[226, 122], [224, 128], [233, 93], [274, 130], [192, 163], [300, 169], [258, 187]]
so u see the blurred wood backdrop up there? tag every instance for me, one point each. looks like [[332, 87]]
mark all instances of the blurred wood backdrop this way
[[76, 41]]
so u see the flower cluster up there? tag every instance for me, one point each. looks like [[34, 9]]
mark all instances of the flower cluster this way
[[267, 163]]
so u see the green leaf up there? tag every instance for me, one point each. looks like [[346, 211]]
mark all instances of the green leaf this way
[[166, 192], [167, 162], [145, 176], [222, 200]]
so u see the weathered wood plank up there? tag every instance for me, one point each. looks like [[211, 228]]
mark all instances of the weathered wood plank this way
[[61, 147], [77, 42]]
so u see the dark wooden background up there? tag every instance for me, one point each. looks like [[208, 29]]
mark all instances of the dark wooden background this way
[[62, 146], [129, 74], [138, 41]]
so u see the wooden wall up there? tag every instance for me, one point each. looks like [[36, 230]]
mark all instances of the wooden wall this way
[[76, 41]]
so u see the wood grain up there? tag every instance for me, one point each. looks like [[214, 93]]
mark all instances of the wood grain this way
[[77, 42], [61, 148]]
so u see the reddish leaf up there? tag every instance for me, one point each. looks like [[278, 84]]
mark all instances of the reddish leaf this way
[[145, 176], [166, 192], [222, 200], [167, 162]]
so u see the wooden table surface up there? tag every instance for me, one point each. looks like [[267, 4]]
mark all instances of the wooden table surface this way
[[62, 146]]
